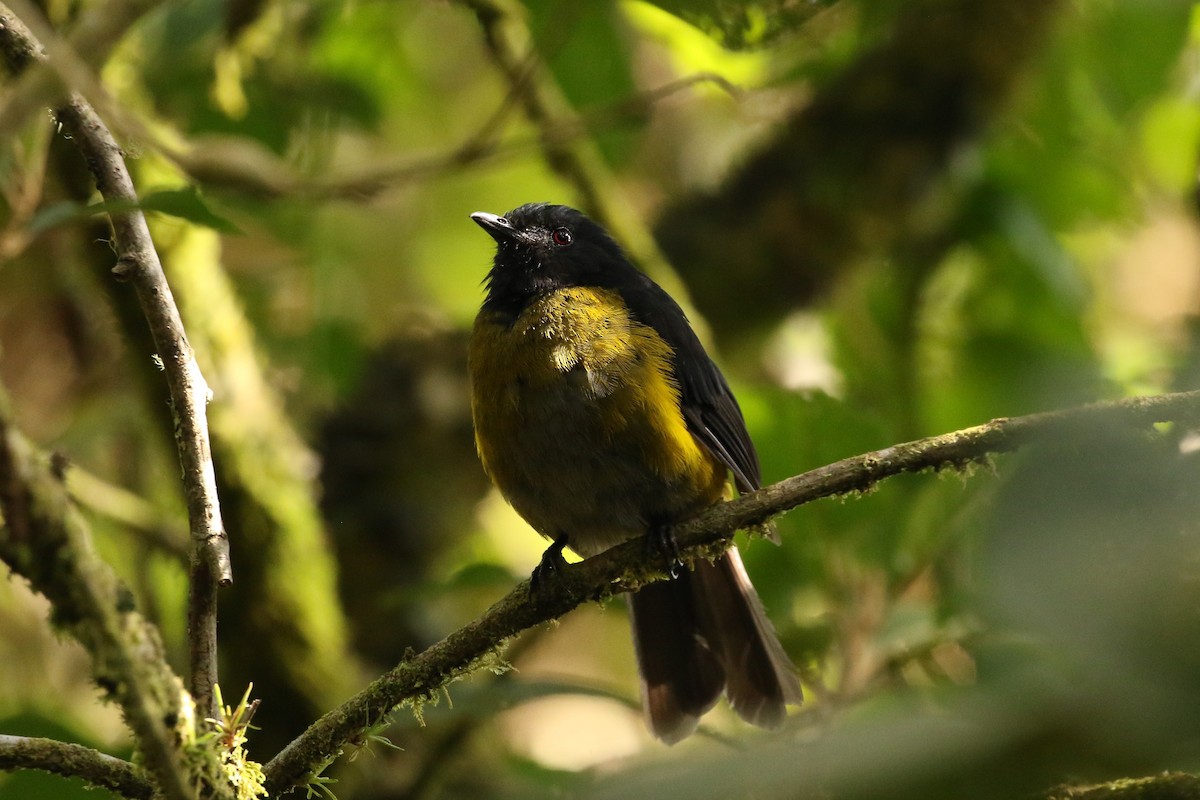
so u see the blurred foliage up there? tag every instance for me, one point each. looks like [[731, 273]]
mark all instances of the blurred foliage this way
[[908, 238], [738, 25]]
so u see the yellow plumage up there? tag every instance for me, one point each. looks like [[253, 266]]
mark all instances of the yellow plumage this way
[[577, 420]]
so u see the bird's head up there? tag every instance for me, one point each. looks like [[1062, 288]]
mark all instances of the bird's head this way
[[542, 247]]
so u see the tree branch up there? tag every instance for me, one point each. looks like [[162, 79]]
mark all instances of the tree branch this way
[[154, 527], [45, 539], [632, 565], [250, 168], [74, 761], [138, 263], [1165, 786], [297, 639]]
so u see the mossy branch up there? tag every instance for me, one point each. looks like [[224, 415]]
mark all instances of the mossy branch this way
[[633, 564], [46, 540], [138, 263], [1167, 786], [74, 761]]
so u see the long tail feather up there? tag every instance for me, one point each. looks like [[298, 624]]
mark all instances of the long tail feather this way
[[703, 633]]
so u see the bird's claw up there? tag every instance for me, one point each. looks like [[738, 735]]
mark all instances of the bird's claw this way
[[663, 539], [550, 567]]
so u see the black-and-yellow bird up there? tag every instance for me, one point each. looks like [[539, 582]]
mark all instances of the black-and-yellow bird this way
[[601, 418]]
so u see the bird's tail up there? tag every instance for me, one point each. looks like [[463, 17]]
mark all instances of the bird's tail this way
[[703, 633]]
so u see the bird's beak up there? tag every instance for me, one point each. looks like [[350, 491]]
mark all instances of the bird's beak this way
[[497, 227]]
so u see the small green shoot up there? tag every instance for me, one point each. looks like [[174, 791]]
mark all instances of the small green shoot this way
[[245, 776]]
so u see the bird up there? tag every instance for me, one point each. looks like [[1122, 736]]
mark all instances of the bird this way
[[601, 418]]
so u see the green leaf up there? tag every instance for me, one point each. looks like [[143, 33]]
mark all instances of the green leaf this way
[[1132, 48], [63, 213], [589, 56], [187, 204], [1170, 133], [183, 203]]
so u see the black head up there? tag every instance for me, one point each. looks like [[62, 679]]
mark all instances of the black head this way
[[542, 247]]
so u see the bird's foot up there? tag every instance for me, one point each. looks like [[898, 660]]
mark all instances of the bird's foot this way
[[550, 567], [662, 539]]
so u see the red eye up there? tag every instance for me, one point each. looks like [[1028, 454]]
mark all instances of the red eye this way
[[561, 237]]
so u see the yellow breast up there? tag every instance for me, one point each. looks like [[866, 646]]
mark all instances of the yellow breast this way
[[578, 421]]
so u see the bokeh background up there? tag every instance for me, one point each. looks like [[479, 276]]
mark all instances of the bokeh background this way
[[889, 219]]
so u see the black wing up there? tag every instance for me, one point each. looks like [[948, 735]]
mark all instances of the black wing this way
[[709, 408]]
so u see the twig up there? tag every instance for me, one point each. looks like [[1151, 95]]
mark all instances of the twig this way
[[74, 761], [138, 263], [165, 534], [632, 565], [250, 168], [299, 632], [46, 540]]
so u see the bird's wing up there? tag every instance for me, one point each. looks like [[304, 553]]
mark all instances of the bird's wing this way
[[708, 405]]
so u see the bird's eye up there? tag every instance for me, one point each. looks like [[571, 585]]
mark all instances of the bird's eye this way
[[561, 237]]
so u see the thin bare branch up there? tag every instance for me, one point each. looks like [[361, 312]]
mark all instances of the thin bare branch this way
[[138, 263], [248, 167], [632, 565], [162, 532]]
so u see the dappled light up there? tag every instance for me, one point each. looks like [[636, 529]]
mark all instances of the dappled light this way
[[238, 278]]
